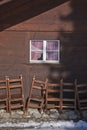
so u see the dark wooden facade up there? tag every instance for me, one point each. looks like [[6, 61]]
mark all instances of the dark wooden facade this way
[[66, 22]]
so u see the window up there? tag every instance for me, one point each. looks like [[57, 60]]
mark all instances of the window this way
[[44, 51]]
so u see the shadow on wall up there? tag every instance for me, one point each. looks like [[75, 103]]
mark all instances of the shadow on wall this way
[[73, 62]]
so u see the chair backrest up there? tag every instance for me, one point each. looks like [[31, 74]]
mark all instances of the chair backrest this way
[[68, 95], [37, 94], [16, 93], [52, 95], [3, 95], [81, 92], [15, 87], [52, 90], [3, 89], [37, 87]]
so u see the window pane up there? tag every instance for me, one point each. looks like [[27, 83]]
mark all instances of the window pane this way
[[52, 50], [37, 45], [51, 55], [42, 51], [52, 45], [37, 56]]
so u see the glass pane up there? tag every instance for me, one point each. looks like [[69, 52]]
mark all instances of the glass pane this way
[[37, 56], [52, 45], [51, 55], [37, 45]]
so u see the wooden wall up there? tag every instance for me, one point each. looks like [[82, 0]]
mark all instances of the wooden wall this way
[[66, 22]]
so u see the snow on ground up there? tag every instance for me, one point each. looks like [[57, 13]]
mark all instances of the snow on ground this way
[[33, 119], [51, 124]]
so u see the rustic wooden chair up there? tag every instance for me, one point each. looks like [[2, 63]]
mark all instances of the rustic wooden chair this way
[[16, 94], [68, 95], [3, 95], [36, 96], [81, 93], [53, 91]]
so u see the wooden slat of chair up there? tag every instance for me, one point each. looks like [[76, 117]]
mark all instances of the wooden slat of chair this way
[[36, 96], [81, 92], [16, 94], [52, 96], [68, 95], [3, 95]]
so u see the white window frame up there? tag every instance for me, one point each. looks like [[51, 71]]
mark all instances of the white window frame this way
[[44, 53]]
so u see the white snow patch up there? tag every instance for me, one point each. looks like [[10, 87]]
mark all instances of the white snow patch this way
[[51, 124], [59, 124]]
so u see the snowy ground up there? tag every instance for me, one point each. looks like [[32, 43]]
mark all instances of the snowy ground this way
[[17, 120], [52, 124], [58, 129]]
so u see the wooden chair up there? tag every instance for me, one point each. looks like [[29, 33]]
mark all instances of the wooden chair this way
[[36, 96], [53, 91], [68, 95], [16, 94], [81, 93], [3, 95]]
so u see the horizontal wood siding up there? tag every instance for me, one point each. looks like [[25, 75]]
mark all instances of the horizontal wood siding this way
[[66, 23]]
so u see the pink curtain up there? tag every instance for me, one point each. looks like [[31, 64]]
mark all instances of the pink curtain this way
[[51, 50], [37, 49]]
